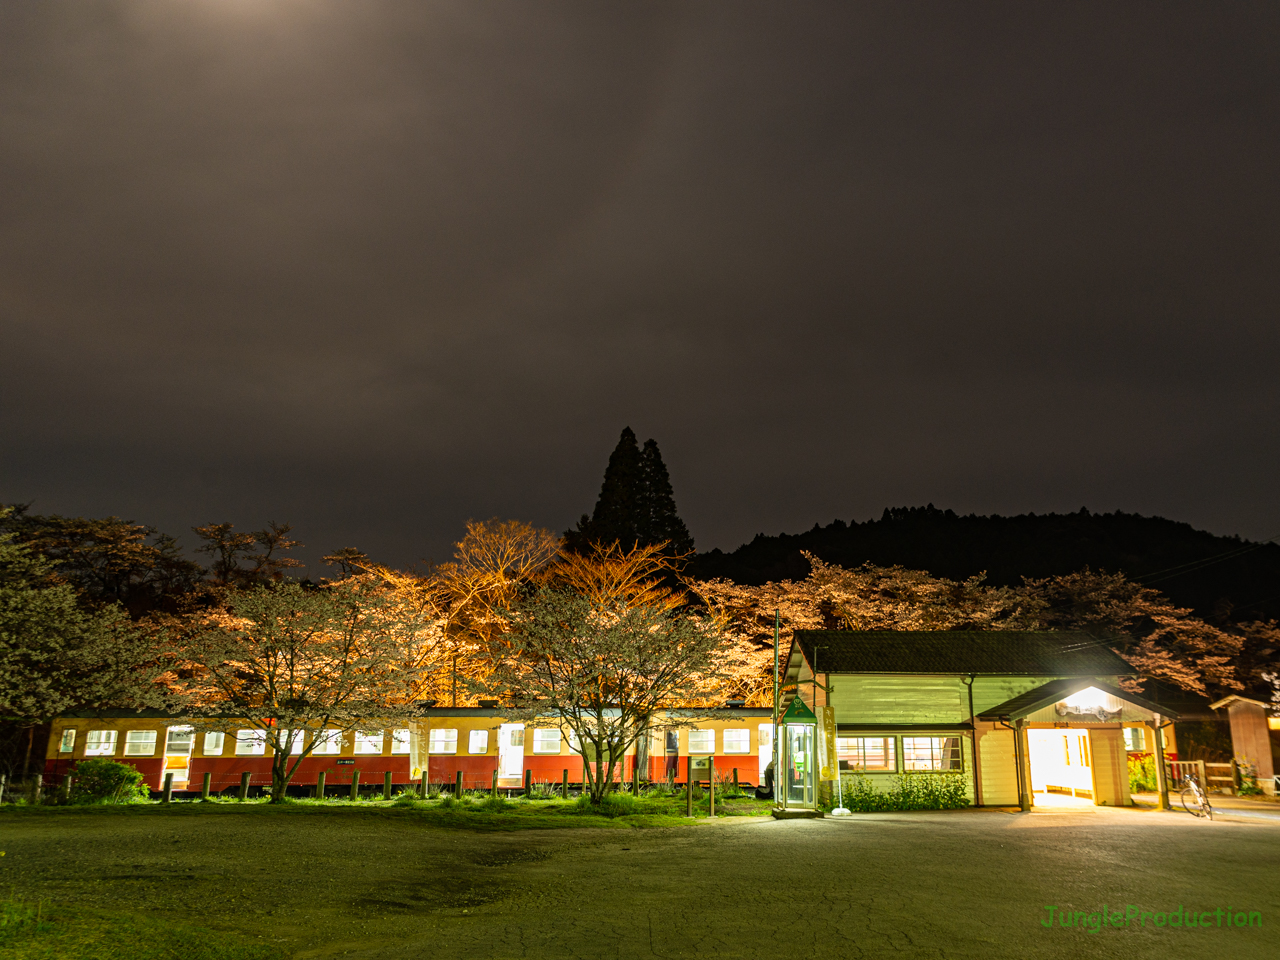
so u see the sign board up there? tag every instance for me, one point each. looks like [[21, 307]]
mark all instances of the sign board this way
[[798, 712], [343, 762], [828, 760]]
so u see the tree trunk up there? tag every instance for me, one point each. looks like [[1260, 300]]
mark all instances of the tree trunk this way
[[26, 760]]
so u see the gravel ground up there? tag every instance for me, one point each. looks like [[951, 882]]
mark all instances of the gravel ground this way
[[957, 884]]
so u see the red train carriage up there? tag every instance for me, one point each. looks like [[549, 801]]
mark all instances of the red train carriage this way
[[475, 741]]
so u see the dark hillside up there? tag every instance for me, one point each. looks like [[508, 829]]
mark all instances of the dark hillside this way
[[1219, 577]]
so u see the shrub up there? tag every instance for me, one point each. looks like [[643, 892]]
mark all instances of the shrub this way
[[919, 791], [610, 805], [1142, 773], [1248, 777], [101, 780]]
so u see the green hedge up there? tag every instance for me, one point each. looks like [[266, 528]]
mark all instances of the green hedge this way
[[917, 791], [105, 781]]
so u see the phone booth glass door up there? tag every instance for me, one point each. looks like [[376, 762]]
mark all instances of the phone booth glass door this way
[[799, 772]]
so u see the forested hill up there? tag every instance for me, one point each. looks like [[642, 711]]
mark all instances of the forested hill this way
[[1217, 576]]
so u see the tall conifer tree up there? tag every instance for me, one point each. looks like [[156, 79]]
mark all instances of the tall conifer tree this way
[[636, 505]]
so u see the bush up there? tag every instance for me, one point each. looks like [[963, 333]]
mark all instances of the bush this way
[[101, 780], [920, 791], [1248, 777], [1142, 773], [611, 805]]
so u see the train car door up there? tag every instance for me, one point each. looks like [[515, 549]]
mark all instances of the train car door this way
[[671, 751], [178, 745], [764, 749], [511, 751]]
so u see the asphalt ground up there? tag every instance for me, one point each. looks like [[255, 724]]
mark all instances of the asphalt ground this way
[[939, 884]]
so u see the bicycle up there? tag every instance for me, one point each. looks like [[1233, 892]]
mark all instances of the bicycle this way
[[1194, 800]]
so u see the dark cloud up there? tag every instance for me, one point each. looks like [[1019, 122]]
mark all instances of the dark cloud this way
[[379, 267]]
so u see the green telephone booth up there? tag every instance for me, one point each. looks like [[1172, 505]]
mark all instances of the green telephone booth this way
[[797, 770]]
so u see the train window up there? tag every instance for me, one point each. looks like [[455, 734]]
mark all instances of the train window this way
[[400, 741], [100, 743], [328, 742], [250, 743], [478, 741], [737, 740], [546, 741], [575, 742], [444, 741], [296, 738], [872, 754], [213, 743], [179, 740], [140, 743], [369, 743], [68, 741], [702, 741]]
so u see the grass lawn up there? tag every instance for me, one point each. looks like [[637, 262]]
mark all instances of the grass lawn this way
[[43, 932]]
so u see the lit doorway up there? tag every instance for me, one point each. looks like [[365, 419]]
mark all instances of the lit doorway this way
[[1061, 767], [511, 751]]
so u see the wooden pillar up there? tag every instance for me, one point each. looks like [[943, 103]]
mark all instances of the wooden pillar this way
[[736, 788], [207, 782], [1021, 752], [493, 791], [244, 785], [688, 789], [66, 789], [635, 779], [528, 783], [564, 784], [168, 787], [386, 785], [355, 784], [1162, 778], [457, 785], [320, 785], [711, 790]]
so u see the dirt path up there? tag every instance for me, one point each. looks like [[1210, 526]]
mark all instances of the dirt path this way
[[966, 884]]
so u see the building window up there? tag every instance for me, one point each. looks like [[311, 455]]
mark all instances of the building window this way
[[1135, 739], [100, 743], [140, 743], [400, 741], [213, 743], [444, 741], [737, 740], [478, 741], [369, 743], [867, 754], [702, 741], [328, 743], [250, 743], [933, 754], [68, 741], [546, 741]]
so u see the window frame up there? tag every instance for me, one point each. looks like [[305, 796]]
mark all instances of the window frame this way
[[326, 743], [437, 738], [137, 747], [256, 739], [542, 736], [363, 739], [211, 737], [112, 738], [472, 737], [891, 754], [959, 754], [67, 744], [700, 750], [401, 741], [745, 739]]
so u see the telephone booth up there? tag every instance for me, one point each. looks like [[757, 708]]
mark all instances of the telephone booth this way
[[796, 784]]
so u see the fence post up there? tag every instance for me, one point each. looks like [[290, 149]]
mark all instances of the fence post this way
[[4, 782], [37, 788], [493, 791], [355, 784], [206, 783], [386, 785], [1235, 777], [66, 788], [688, 790], [423, 785], [320, 785], [711, 789], [635, 779], [564, 784], [457, 785], [528, 784], [1204, 776], [244, 785], [168, 787], [736, 788]]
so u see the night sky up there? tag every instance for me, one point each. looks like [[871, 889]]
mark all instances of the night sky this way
[[378, 267]]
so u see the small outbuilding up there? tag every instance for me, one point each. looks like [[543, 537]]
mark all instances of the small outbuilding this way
[[1015, 714]]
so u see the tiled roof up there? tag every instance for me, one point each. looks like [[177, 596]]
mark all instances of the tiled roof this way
[[990, 652]]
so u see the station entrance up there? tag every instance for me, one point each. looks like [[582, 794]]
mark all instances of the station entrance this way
[[1061, 766]]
